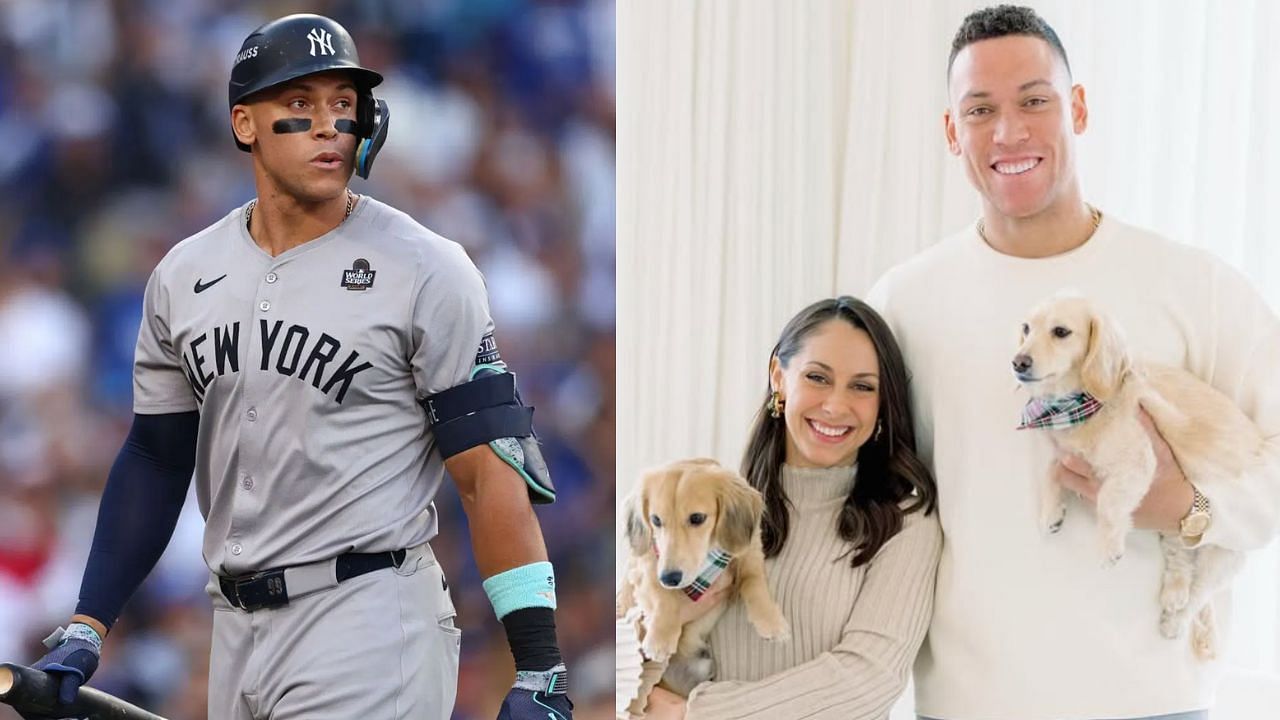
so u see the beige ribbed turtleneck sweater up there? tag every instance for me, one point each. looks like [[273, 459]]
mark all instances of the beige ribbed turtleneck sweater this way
[[855, 631]]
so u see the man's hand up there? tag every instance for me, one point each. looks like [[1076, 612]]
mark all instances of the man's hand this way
[[1166, 502], [538, 696], [665, 705], [72, 659]]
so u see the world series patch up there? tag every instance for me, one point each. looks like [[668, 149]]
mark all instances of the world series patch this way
[[359, 277], [487, 353]]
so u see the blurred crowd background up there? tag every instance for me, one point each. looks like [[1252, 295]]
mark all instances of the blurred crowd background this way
[[117, 146]]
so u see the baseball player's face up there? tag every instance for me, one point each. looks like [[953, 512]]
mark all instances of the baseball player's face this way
[[296, 143], [1012, 118]]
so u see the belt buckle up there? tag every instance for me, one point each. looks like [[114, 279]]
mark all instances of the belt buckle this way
[[265, 589]]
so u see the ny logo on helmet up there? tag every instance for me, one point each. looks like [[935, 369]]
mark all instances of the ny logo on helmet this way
[[322, 39]]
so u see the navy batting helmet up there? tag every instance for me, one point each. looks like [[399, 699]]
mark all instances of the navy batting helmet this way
[[303, 44]]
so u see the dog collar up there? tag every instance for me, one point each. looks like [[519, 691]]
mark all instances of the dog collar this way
[[717, 561], [1059, 412]]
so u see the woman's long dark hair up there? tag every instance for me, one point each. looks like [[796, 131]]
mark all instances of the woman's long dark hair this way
[[889, 471]]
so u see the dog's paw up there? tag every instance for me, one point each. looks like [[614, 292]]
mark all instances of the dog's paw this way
[[657, 651], [1203, 640], [1112, 550], [1052, 519], [773, 627], [1175, 592], [1172, 623], [1203, 650], [783, 634]]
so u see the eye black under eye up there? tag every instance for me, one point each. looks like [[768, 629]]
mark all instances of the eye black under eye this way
[[1061, 332], [657, 521], [697, 519]]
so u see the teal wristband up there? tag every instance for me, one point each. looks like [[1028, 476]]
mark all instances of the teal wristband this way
[[532, 585]]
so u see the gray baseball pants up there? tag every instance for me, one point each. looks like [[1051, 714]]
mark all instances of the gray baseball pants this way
[[380, 646]]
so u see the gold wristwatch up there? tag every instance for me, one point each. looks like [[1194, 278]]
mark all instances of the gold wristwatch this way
[[1197, 519]]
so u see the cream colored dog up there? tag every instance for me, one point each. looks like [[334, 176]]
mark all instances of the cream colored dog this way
[[1069, 346], [677, 516]]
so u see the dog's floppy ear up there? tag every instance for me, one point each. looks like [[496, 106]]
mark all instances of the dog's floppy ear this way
[[1105, 362], [638, 533], [740, 509]]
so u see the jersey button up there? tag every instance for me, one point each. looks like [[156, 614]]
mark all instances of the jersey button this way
[[264, 306], [252, 414], [272, 277], [247, 483], [236, 549]]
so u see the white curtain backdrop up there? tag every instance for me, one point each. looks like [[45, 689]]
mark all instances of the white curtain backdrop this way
[[772, 153]]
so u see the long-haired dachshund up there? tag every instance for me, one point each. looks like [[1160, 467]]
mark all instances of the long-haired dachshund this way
[[685, 521], [1073, 361]]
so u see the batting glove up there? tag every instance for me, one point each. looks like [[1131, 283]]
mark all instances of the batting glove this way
[[538, 696], [72, 658]]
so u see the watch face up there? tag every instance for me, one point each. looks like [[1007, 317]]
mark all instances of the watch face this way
[[1195, 524]]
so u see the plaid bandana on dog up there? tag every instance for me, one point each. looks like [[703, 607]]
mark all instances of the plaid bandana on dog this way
[[1059, 413], [717, 561]]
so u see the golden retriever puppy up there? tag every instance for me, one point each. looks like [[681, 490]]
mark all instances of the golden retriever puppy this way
[[1086, 391], [685, 521]]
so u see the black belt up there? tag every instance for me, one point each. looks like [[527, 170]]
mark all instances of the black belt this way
[[267, 589]]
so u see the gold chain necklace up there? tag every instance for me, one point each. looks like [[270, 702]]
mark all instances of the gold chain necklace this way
[[1094, 212], [248, 212]]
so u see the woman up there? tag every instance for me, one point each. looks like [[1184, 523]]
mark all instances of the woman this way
[[849, 532]]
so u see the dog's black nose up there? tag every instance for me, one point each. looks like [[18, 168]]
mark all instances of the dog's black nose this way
[[1021, 362], [671, 578]]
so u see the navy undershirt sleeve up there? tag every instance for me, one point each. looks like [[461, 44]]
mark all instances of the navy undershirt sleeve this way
[[145, 490]]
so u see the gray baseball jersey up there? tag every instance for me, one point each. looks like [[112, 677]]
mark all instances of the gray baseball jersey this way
[[307, 369]]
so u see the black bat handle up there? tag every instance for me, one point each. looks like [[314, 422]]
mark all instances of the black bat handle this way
[[32, 691], [27, 690]]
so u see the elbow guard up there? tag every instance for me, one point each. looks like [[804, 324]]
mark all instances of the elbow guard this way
[[488, 410]]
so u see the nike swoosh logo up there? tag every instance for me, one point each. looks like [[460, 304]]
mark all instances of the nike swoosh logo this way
[[202, 287]]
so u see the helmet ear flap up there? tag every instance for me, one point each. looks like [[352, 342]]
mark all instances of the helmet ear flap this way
[[366, 108], [372, 131]]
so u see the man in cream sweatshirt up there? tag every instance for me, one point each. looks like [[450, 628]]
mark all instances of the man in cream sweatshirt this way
[[1027, 625]]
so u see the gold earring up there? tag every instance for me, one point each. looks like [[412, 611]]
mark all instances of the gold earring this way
[[776, 405], [879, 427]]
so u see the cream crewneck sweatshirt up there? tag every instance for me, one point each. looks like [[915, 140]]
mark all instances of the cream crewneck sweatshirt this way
[[1029, 626]]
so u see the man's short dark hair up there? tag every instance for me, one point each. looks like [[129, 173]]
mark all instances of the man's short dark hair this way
[[1002, 20]]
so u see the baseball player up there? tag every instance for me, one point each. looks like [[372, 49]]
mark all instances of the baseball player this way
[[318, 360]]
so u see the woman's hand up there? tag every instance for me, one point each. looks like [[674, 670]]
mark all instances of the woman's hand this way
[[664, 705]]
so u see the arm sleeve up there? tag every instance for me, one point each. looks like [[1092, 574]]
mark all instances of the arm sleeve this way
[[140, 506], [450, 322], [878, 296], [1246, 367], [863, 675], [635, 676]]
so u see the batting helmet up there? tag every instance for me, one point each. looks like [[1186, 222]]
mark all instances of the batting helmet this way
[[303, 44]]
